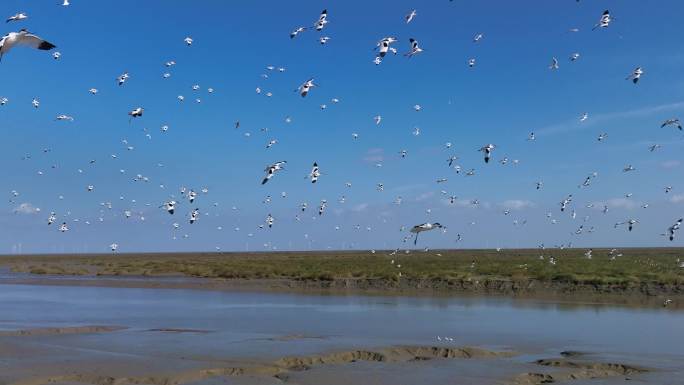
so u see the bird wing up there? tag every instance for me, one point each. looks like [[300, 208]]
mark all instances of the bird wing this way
[[35, 42]]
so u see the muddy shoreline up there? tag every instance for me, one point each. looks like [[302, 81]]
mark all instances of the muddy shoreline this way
[[641, 294]]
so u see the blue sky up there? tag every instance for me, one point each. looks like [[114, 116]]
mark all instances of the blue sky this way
[[508, 94]]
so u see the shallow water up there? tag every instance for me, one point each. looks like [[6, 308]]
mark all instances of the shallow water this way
[[248, 326]]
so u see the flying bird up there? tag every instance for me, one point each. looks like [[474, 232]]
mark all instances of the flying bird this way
[[604, 21], [673, 229], [635, 75], [272, 169], [25, 38], [17, 17], [322, 20], [315, 173], [409, 17], [415, 49], [672, 122], [417, 229], [306, 87], [487, 150]]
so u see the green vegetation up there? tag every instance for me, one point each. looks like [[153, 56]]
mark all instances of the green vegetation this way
[[634, 266]]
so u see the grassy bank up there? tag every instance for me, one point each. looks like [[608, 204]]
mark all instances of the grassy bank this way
[[634, 266]]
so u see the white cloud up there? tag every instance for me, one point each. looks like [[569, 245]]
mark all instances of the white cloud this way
[[424, 196], [670, 164], [26, 208], [517, 204], [360, 207], [594, 119], [374, 155], [617, 203], [677, 198]]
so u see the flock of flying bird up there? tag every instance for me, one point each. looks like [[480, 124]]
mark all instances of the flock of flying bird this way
[[384, 47]]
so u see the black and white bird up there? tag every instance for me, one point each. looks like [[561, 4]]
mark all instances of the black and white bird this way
[[574, 56], [384, 45], [477, 37], [306, 87], [415, 49], [409, 17], [52, 218], [194, 215], [17, 17], [635, 75], [138, 112], [554, 64], [565, 202], [654, 147], [25, 38], [270, 220], [188, 41], [417, 229], [322, 20], [121, 79], [673, 229], [315, 173], [487, 150], [322, 206], [604, 21], [296, 32], [63, 227], [672, 122], [630, 223], [169, 206], [272, 169]]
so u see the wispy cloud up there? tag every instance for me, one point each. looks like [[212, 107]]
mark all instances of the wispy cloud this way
[[677, 198], [26, 208], [617, 203], [670, 164], [374, 155], [516, 204], [594, 119]]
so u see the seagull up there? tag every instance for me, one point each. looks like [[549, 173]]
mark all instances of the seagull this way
[[35, 102], [322, 206], [65, 117], [56, 55], [602, 136], [271, 143], [672, 229], [584, 116], [315, 173], [672, 122], [471, 62], [66, 3], [410, 16], [306, 86], [605, 20], [324, 39], [531, 137], [540, 184], [296, 32], [377, 119], [417, 229], [383, 46], [487, 150], [114, 246], [188, 40], [270, 220], [272, 169], [554, 64], [122, 78], [93, 91], [63, 227], [574, 56], [415, 49], [52, 218], [17, 17], [635, 75], [136, 113], [630, 223], [23, 37], [565, 202], [322, 20], [169, 206], [194, 215]]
